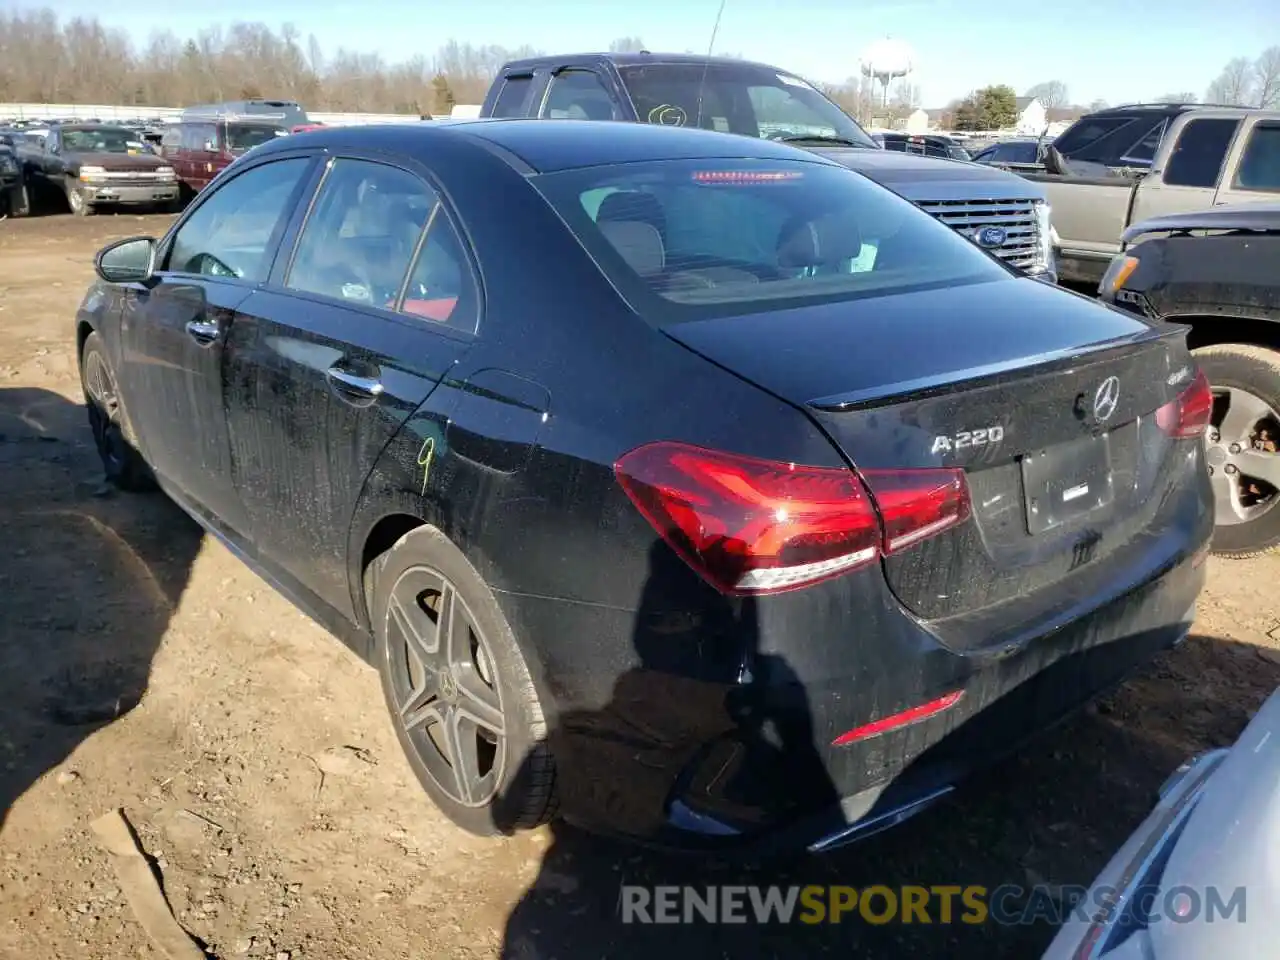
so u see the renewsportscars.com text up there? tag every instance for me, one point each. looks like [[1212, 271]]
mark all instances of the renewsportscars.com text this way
[[1007, 905]]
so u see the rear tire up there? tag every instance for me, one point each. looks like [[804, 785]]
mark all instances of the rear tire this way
[[441, 694], [16, 203], [122, 465], [1247, 508]]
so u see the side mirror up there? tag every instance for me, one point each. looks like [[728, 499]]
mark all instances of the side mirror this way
[[126, 261]]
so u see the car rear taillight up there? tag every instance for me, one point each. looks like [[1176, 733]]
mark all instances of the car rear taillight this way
[[752, 526], [1186, 416]]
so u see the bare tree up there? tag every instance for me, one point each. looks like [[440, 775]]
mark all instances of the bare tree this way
[[626, 45], [1184, 97], [45, 60], [1234, 85], [1052, 94], [1266, 78]]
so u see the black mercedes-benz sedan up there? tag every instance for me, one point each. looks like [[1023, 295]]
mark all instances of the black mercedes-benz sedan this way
[[690, 487]]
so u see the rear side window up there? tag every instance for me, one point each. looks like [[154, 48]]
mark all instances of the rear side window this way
[[688, 239], [1260, 165], [578, 95], [230, 233], [512, 96], [361, 233], [1200, 151], [442, 288]]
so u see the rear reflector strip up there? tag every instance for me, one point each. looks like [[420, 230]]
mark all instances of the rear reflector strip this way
[[899, 720]]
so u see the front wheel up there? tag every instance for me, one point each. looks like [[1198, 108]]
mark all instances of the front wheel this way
[[1242, 447], [459, 691], [79, 206], [122, 465]]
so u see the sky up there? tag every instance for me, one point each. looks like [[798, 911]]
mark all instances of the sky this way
[[1102, 49]]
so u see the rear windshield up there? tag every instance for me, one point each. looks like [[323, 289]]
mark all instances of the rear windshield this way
[[732, 98], [243, 136], [683, 240]]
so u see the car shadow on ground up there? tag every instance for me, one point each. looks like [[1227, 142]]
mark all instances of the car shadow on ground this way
[[89, 579], [1051, 815]]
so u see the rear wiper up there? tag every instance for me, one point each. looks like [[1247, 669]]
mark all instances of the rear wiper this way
[[819, 138]]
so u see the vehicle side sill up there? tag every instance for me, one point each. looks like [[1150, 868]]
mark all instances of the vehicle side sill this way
[[305, 600]]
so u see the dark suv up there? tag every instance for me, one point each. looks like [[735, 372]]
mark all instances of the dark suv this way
[[200, 149]]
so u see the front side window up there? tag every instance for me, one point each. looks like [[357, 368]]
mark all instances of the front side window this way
[[230, 233], [1144, 151], [1260, 165], [687, 239], [1200, 151], [361, 233], [736, 98], [245, 136], [578, 95]]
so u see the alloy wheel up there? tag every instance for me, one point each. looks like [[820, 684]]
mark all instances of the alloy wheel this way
[[445, 691], [104, 410], [1242, 447]]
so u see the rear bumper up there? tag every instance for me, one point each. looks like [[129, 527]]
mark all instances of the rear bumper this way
[[720, 736], [128, 193]]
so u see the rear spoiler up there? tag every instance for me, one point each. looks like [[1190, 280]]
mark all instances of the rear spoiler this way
[[990, 374]]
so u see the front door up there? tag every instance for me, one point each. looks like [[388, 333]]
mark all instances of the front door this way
[[174, 333], [324, 366], [1192, 168]]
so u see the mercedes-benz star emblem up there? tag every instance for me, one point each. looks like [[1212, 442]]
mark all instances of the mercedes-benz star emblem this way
[[1106, 398]]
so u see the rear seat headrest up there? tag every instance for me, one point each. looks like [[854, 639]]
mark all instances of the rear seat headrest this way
[[828, 239], [638, 243]]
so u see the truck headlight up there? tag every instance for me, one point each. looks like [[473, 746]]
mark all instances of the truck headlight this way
[[7, 165], [164, 173], [1046, 234], [92, 173]]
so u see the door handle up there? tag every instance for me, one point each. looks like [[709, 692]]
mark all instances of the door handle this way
[[369, 388], [203, 332]]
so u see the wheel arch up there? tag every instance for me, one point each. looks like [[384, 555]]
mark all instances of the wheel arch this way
[[1208, 330]]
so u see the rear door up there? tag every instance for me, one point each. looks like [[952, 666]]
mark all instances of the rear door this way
[[1253, 168], [1189, 167], [378, 300]]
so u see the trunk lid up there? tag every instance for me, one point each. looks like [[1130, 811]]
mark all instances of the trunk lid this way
[[1044, 398]]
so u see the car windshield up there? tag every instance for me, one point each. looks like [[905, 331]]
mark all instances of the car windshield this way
[[245, 136], [684, 240], [732, 98], [101, 140]]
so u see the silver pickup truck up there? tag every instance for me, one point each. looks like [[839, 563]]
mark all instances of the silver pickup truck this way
[[1118, 167]]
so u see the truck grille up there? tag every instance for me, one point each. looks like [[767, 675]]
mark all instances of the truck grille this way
[[1017, 218]]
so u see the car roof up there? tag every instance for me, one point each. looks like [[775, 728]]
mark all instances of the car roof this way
[[549, 145], [640, 58]]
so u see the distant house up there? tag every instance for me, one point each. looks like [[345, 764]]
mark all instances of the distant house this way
[[1032, 117]]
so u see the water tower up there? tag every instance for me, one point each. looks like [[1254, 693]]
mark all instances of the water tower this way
[[886, 60]]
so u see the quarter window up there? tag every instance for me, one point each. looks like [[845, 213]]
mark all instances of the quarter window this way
[[361, 234], [442, 288], [1260, 165], [578, 95], [511, 97], [230, 234], [1202, 147]]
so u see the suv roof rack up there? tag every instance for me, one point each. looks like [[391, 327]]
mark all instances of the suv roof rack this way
[[1171, 104]]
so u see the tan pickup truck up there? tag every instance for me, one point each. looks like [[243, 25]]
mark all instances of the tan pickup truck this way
[[1124, 165]]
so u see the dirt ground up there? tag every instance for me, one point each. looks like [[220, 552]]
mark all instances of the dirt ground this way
[[142, 667]]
